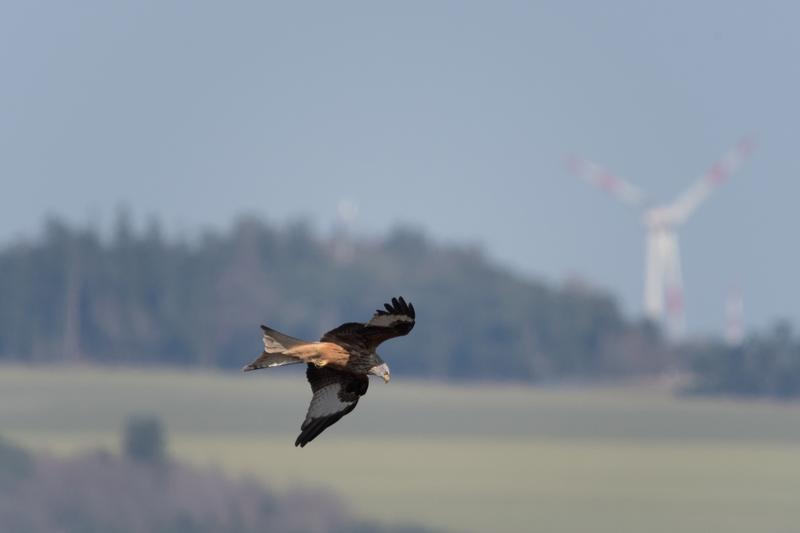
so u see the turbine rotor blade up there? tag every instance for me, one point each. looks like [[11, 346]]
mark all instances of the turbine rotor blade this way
[[597, 176], [718, 174]]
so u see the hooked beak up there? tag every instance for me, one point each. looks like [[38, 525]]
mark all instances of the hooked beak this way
[[381, 371]]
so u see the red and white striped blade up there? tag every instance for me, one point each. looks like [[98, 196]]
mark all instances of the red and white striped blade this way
[[597, 176], [718, 174]]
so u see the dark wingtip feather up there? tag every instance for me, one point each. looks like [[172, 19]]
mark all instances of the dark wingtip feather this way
[[313, 430], [398, 305], [406, 308]]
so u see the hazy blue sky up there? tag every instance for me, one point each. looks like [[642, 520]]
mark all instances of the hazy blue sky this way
[[452, 116]]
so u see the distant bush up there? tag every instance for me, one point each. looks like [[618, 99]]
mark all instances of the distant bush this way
[[15, 464], [143, 439], [766, 364]]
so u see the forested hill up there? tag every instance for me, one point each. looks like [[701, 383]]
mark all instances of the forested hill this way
[[138, 298]]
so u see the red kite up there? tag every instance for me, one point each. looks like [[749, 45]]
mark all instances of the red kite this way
[[338, 365]]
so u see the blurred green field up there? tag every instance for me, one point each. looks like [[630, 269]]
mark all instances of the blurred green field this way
[[493, 458]]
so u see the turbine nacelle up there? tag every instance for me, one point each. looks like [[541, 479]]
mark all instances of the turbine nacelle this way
[[660, 218]]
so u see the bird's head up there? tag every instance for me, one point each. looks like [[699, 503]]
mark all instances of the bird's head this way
[[381, 370]]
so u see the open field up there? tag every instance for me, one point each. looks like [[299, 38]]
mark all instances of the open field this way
[[500, 458]]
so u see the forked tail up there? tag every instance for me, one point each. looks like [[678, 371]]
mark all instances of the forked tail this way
[[276, 344]]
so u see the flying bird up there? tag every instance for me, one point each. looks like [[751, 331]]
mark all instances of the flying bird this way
[[339, 364]]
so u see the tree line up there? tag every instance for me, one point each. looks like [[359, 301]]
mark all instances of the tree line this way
[[136, 297], [140, 298], [767, 363]]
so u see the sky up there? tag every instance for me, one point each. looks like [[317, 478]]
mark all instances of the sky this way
[[453, 117]]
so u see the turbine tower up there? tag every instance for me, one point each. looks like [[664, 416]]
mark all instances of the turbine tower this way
[[663, 281], [734, 317]]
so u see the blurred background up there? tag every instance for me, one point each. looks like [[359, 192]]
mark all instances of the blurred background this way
[[591, 206]]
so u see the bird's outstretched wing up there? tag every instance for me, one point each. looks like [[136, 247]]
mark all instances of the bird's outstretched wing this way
[[335, 394], [396, 320]]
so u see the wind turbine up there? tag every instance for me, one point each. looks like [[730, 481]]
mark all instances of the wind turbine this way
[[734, 317], [342, 234], [663, 281]]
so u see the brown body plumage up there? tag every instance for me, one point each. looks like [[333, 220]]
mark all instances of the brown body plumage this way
[[352, 359]]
